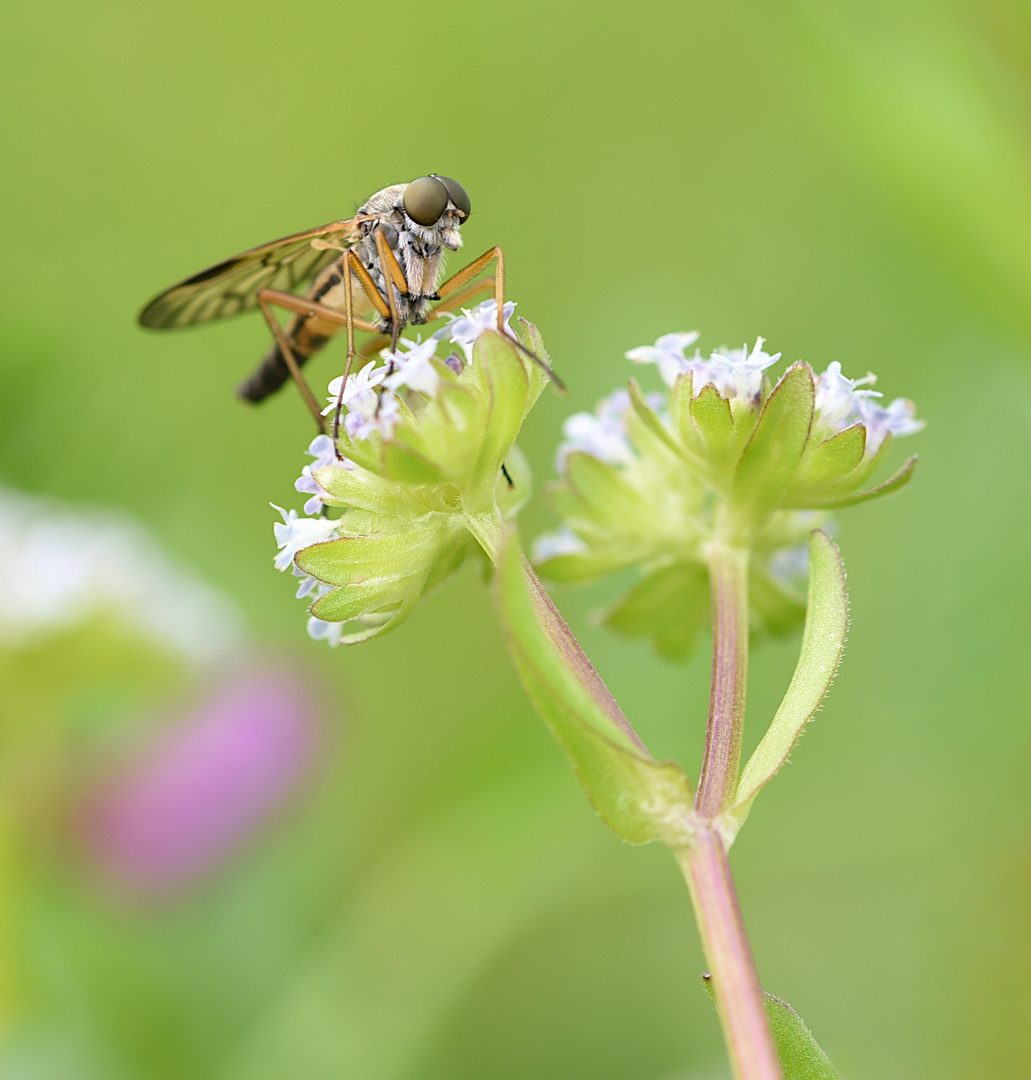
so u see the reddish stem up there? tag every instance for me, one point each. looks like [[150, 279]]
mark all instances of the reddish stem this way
[[705, 864]]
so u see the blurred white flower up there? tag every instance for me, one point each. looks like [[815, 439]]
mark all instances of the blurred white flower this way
[[562, 542], [59, 565], [379, 416]]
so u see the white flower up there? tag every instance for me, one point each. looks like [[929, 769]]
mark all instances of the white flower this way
[[464, 329], [321, 630], [297, 533], [308, 583], [61, 565], [381, 416], [896, 419], [840, 403], [413, 367], [600, 434], [552, 545], [359, 390], [667, 354], [324, 453], [734, 372]]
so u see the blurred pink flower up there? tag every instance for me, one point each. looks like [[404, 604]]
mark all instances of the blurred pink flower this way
[[205, 784]]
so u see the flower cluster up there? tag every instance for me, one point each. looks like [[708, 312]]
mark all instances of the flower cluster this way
[[422, 466], [653, 482]]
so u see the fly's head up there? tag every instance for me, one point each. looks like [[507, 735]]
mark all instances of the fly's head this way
[[436, 206]]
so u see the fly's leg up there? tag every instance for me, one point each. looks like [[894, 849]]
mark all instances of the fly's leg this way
[[460, 281], [291, 361], [456, 299], [267, 298], [394, 276], [467, 273]]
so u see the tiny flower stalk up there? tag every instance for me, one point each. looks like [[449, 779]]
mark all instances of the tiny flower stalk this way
[[716, 494]]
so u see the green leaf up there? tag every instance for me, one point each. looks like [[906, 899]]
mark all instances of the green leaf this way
[[585, 566], [800, 1055], [773, 609], [646, 414], [775, 448], [893, 483], [713, 419], [638, 798], [830, 460], [362, 489], [670, 606], [507, 386], [823, 641]]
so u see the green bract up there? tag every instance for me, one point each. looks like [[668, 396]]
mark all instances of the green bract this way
[[652, 482], [417, 501]]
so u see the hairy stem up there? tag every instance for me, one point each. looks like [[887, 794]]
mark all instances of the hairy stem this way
[[728, 574], [729, 956], [704, 863]]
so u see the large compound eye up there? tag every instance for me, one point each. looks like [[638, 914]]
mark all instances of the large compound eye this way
[[426, 200], [458, 195]]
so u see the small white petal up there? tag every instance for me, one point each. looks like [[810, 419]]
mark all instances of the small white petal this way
[[297, 533], [464, 329], [321, 630], [600, 434], [562, 542], [414, 367]]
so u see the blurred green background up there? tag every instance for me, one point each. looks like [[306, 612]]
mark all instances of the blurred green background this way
[[850, 180]]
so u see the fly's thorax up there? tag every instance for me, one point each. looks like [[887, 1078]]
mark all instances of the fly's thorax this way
[[421, 250]]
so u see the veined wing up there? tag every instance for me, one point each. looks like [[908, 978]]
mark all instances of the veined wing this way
[[232, 286]]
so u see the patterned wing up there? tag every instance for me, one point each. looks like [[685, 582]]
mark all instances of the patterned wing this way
[[232, 286]]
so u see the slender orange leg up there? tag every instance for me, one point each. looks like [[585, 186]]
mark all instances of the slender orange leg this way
[[312, 309], [291, 361], [456, 299], [456, 282], [392, 275]]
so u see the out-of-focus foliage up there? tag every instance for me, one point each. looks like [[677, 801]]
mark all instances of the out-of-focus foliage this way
[[849, 180]]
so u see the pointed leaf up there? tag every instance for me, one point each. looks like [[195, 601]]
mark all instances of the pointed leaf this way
[[800, 1056], [775, 448], [823, 640], [603, 491], [650, 419], [362, 489], [713, 419], [507, 385], [893, 483], [638, 798], [832, 459]]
